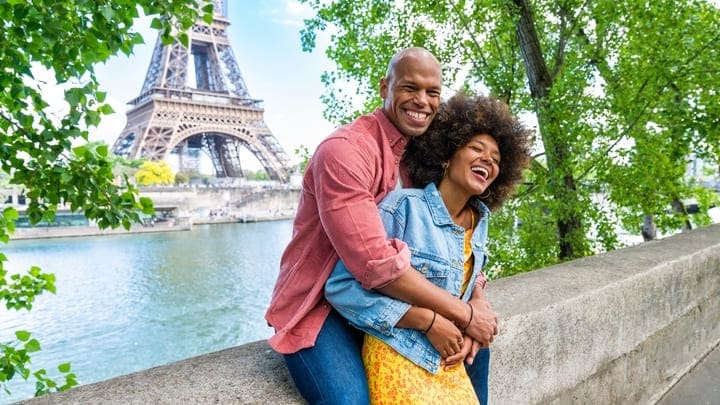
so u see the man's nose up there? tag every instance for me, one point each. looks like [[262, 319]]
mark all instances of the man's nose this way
[[421, 97]]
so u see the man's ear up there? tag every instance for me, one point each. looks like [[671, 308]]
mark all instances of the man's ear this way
[[383, 88]]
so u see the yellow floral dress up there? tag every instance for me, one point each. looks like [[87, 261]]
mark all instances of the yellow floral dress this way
[[394, 380]]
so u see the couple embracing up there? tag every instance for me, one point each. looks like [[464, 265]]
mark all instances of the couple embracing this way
[[380, 297]]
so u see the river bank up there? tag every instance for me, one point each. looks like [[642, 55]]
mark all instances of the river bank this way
[[172, 225], [43, 232], [179, 209]]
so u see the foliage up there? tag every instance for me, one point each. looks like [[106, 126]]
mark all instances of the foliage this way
[[182, 178], [66, 38], [124, 168], [191, 176], [623, 95], [304, 153], [155, 173], [4, 180], [14, 361], [260, 175]]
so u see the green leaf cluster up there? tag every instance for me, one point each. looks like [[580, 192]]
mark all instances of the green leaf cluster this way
[[15, 358], [67, 38], [305, 155]]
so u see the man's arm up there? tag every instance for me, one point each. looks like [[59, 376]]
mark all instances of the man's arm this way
[[344, 176], [413, 288], [368, 309], [351, 220]]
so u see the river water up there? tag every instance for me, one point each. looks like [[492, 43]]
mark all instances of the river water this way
[[130, 302]]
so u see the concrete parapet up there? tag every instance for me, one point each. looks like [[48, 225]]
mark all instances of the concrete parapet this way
[[620, 327], [247, 374]]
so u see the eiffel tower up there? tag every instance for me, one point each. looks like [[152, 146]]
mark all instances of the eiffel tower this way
[[215, 114]]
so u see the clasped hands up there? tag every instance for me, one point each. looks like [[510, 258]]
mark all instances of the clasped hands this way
[[456, 345]]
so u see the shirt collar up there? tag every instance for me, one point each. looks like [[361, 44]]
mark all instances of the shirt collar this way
[[393, 135]]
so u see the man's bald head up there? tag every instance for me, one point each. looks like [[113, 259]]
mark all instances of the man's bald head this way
[[411, 90]]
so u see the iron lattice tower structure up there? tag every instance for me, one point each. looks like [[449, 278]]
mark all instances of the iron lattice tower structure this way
[[215, 114]]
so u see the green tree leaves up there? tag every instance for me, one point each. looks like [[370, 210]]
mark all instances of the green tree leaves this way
[[15, 358], [67, 38]]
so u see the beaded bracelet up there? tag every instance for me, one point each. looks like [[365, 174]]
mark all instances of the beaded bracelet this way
[[432, 322]]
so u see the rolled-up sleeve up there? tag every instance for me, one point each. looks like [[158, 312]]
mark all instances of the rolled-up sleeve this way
[[346, 195]]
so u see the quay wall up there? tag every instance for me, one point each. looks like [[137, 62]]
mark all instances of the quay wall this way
[[619, 327], [42, 232], [189, 206], [196, 202]]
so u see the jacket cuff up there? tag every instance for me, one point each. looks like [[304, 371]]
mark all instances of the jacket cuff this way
[[390, 316]]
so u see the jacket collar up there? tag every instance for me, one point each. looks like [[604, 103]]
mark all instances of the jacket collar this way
[[438, 210]]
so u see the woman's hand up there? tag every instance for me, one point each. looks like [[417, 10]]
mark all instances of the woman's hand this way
[[457, 358], [445, 337]]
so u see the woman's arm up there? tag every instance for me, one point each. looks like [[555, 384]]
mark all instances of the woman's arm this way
[[440, 331], [365, 309]]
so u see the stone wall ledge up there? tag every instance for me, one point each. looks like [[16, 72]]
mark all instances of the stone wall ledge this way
[[620, 327]]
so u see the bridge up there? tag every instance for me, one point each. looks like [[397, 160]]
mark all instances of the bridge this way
[[623, 327]]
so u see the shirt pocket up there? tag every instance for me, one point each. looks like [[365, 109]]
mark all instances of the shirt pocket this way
[[437, 270]]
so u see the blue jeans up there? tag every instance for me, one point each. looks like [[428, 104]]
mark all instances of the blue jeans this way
[[332, 371], [478, 372]]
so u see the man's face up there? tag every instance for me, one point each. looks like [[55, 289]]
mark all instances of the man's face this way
[[411, 93]]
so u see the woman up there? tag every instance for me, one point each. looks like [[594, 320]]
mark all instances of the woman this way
[[468, 162]]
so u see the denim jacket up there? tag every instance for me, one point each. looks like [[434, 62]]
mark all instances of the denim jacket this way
[[419, 218]]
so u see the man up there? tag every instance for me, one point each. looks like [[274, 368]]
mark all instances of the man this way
[[349, 173]]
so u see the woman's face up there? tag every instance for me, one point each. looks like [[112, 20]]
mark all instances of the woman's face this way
[[474, 166]]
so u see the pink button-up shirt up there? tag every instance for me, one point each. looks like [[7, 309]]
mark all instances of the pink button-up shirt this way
[[349, 173]]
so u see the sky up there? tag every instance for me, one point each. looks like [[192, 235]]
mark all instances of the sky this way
[[265, 37]]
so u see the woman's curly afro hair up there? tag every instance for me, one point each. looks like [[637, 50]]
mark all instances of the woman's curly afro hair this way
[[458, 120]]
